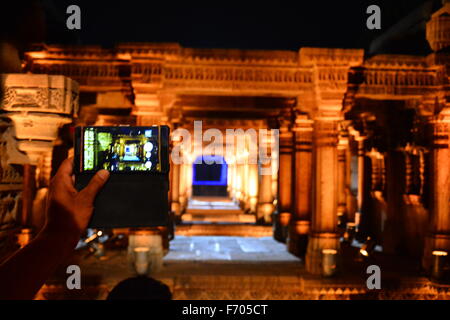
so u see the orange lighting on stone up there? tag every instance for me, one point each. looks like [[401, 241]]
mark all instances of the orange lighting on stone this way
[[440, 253]]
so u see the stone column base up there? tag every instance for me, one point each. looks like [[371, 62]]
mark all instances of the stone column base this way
[[264, 211], [280, 226], [251, 204], [175, 207], [316, 243], [434, 242], [183, 203], [297, 239]]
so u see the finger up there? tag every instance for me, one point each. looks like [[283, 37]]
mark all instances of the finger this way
[[90, 191], [66, 168], [69, 185], [63, 177]]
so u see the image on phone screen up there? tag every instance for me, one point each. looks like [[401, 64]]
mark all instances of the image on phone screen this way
[[120, 149]]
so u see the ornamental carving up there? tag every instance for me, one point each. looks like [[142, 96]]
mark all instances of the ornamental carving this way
[[326, 133], [39, 93], [378, 172], [415, 171], [173, 68], [437, 30]]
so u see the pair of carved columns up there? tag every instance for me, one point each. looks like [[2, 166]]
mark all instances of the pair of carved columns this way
[[312, 182], [438, 237]]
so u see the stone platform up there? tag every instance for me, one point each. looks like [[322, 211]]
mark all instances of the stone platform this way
[[245, 268], [213, 210], [223, 229]]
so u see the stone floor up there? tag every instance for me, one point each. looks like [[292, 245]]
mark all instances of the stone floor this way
[[228, 250], [239, 268]]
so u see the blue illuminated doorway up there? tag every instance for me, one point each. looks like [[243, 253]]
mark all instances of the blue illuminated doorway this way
[[210, 175]]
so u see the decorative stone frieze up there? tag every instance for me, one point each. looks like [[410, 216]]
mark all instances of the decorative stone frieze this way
[[39, 93]]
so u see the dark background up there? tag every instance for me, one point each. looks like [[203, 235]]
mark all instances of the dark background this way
[[230, 24]]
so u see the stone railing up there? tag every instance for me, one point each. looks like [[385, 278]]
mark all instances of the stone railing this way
[[241, 77], [396, 82]]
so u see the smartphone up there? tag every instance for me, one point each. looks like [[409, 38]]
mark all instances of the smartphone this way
[[136, 193]]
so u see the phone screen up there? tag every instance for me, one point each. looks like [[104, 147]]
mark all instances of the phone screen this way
[[120, 149]]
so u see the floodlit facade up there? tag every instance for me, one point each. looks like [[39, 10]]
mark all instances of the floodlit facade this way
[[362, 143]]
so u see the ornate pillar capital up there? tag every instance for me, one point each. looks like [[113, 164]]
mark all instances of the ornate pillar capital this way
[[38, 105]]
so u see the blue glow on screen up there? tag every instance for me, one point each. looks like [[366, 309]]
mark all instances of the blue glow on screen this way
[[223, 171]]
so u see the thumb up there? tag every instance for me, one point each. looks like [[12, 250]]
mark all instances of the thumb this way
[[95, 185]]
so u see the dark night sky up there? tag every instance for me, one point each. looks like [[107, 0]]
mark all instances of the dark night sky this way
[[244, 24]]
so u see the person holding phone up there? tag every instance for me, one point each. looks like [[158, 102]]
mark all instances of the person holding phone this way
[[68, 213]]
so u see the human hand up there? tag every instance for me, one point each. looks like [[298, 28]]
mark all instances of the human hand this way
[[69, 210]]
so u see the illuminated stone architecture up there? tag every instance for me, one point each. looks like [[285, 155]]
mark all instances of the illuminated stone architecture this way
[[363, 141]]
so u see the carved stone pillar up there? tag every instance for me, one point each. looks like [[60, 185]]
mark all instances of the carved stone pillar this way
[[232, 179], [252, 187], [324, 218], [439, 228], [38, 106], [265, 199], [182, 185], [265, 196], [275, 180], [361, 181], [238, 183], [342, 174], [350, 198], [299, 224], [229, 177], [285, 182], [175, 189], [243, 190], [28, 194], [246, 187], [188, 178]]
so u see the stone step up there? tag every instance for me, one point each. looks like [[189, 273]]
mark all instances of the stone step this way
[[214, 211], [218, 217], [223, 229]]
